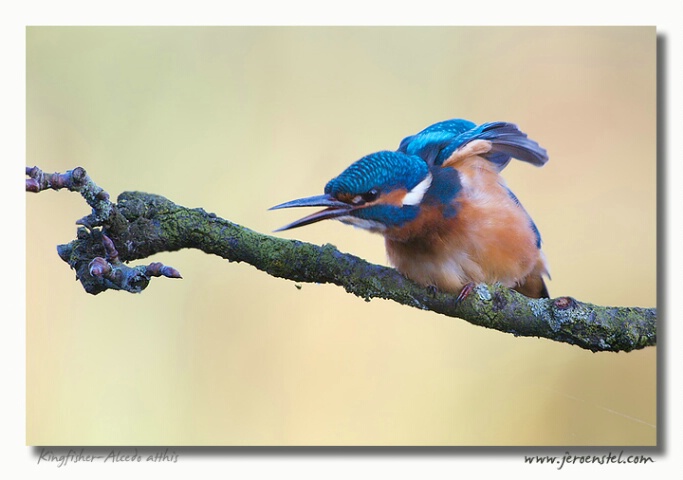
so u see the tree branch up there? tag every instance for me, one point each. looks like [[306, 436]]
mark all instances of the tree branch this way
[[143, 224]]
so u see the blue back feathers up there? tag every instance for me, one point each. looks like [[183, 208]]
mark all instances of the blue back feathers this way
[[429, 142], [427, 150], [438, 142]]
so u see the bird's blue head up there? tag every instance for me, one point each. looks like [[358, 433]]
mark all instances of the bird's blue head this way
[[379, 191]]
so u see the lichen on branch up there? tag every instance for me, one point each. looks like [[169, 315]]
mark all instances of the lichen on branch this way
[[141, 224]]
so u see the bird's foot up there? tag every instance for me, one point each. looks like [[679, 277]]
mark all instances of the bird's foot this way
[[464, 293]]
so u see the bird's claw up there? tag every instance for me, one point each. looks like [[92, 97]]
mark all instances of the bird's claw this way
[[464, 293]]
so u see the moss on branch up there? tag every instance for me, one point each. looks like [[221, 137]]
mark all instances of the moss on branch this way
[[142, 224]]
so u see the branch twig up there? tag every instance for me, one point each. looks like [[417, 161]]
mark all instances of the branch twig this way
[[143, 224]]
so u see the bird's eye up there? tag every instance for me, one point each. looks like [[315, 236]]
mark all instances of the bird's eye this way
[[366, 197], [370, 196]]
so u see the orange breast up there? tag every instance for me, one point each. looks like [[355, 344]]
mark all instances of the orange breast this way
[[489, 240]]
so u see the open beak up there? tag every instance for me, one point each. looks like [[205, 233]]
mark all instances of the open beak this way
[[334, 209]]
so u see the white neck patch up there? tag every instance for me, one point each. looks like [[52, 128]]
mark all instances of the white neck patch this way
[[416, 195], [370, 225]]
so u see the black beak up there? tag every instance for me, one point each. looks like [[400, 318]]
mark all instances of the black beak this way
[[334, 209]]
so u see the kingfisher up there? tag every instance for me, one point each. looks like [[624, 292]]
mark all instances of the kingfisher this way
[[448, 219]]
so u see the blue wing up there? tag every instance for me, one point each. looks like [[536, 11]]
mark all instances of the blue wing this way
[[438, 142], [429, 143], [533, 226]]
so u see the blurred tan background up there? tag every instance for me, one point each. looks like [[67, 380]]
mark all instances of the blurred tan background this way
[[238, 119]]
